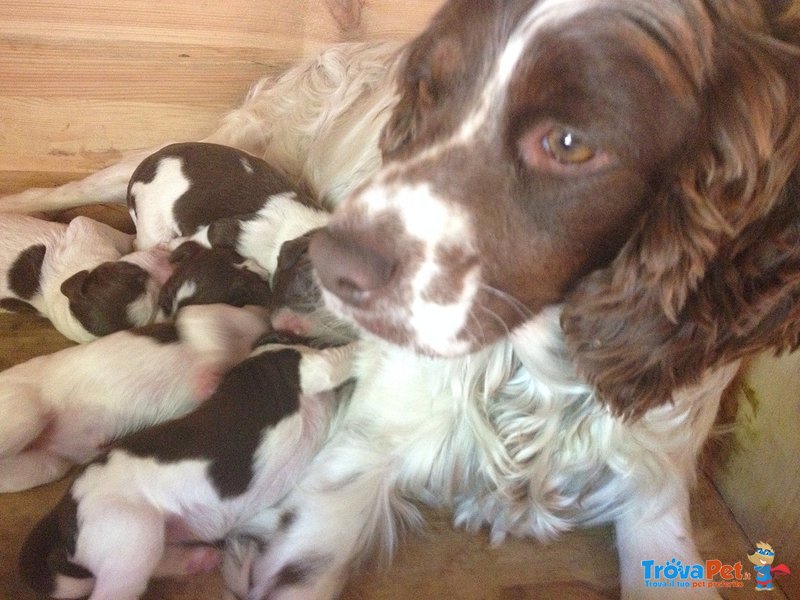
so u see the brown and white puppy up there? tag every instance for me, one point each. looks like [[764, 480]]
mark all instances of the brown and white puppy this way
[[83, 276], [208, 473], [63, 408], [212, 276], [183, 188]]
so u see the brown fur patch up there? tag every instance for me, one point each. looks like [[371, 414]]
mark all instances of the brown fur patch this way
[[25, 273]]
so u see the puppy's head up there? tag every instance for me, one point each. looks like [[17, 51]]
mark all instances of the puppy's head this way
[[603, 154], [113, 296], [212, 276], [297, 298]]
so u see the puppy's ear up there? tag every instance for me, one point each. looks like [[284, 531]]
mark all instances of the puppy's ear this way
[[294, 250], [74, 286], [224, 233], [713, 271], [185, 251]]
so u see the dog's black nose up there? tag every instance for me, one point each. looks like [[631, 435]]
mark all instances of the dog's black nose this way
[[350, 269]]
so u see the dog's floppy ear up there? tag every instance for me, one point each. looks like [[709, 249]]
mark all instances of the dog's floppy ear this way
[[185, 251], [73, 286], [293, 250], [713, 271], [400, 128], [224, 233], [430, 67]]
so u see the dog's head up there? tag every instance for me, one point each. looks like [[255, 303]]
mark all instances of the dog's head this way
[[212, 276], [115, 295], [634, 160]]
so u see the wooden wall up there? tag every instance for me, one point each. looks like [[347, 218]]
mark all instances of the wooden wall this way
[[83, 80], [759, 474]]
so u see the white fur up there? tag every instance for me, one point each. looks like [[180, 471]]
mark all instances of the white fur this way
[[155, 223], [80, 398]]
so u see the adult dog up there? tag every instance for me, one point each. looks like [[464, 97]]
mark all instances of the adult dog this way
[[585, 215]]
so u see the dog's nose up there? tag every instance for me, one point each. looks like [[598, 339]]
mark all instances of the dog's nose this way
[[347, 268]]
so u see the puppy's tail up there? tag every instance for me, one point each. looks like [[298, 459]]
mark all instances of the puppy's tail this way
[[44, 561]]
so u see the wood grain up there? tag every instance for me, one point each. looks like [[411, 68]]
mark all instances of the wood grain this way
[[83, 81]]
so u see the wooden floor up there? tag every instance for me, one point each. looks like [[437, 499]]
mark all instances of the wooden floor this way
[[438, 563]]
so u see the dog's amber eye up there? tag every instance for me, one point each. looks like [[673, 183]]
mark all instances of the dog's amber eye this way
[[553, 148], [567, 147]]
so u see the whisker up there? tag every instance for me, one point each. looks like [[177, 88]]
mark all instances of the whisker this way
[[495, 316], [508, 299]]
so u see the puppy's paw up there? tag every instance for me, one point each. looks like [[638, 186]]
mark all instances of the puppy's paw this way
[[203, 559], [205, 381], [180, 561]]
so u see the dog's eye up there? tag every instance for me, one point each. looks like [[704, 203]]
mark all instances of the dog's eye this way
[[567, 147], [548, 147]]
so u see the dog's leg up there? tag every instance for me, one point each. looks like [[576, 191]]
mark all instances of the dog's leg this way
[[323, 370], [24, 418], [109, 185], [180, 560], [31, 468], [657, 530], [121, 543]]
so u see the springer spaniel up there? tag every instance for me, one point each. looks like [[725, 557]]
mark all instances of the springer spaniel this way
[[562, 225]]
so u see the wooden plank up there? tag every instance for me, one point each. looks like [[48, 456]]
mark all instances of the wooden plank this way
[[82, 81], [759, 476]]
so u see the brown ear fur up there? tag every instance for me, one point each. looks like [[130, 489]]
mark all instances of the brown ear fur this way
[[713, 271], [72, 287]]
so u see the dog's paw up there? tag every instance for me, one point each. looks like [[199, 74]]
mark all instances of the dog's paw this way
[[203, 560], [205, 381], [180, 561]]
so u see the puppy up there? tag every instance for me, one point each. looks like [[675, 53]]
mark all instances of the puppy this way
[[61, 409], [297, 305], [209, 473], [210, 276], [183, 188], [82, 276]]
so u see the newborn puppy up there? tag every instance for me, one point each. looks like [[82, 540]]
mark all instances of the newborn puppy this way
[[61, 409], [185, 187], [77, 275], [120, 294], [206, 473], [297, 305], [211, 276]]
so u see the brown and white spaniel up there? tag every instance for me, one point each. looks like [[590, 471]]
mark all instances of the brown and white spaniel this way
[[560, 224]]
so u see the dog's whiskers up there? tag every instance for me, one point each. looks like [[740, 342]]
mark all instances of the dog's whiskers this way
[[517, 305]]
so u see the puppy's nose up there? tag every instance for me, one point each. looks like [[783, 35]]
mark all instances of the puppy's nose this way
[[348, 268]]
